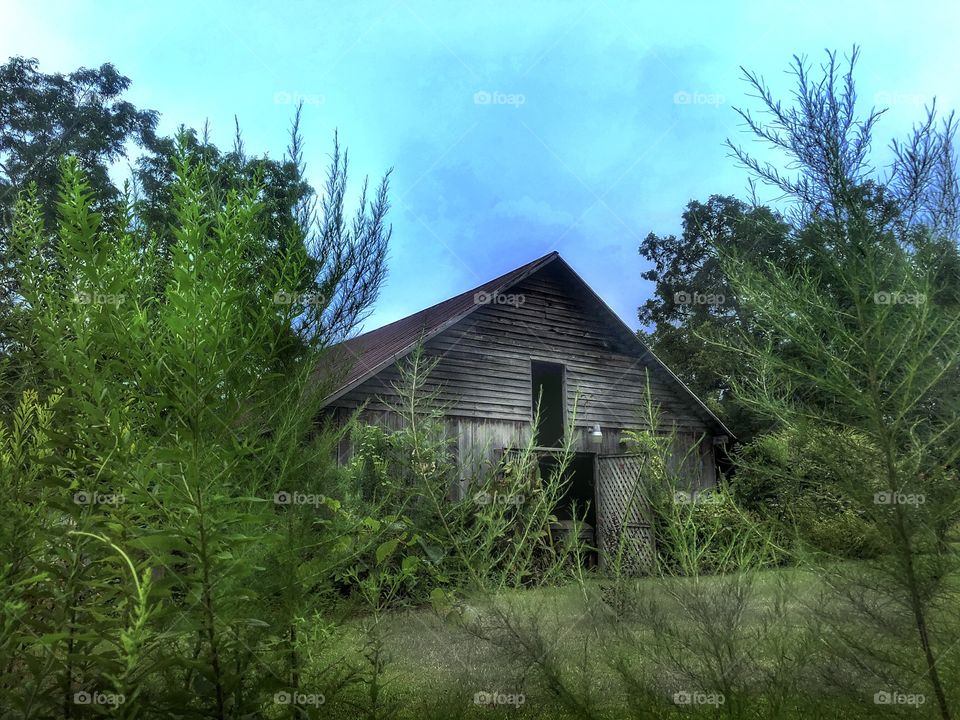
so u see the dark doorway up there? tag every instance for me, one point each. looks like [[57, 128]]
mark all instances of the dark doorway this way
[[577, 508], [547, 386], [579, 493]]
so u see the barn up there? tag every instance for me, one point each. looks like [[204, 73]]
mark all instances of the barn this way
[[539, 331]]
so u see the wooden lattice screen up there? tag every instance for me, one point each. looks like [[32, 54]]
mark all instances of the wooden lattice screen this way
[[621, 506]]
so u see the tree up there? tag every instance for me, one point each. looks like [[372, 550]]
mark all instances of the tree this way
[[693, 294], [871, 319], [46, 116], [142, 475], [338, 263]]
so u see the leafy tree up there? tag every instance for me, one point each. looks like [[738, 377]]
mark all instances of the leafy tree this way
[[693, 295], [694, 299], [874, 351], [340, 261], [46, 116]]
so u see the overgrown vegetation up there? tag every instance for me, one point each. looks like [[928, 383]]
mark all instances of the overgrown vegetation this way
[[178, 539]]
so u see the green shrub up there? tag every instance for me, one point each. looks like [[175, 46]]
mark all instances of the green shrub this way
[[844, 534], [799, 482], [707, 532]]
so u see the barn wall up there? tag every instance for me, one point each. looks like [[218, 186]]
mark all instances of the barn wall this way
[[484, 363], [483, 377], [476, 444]]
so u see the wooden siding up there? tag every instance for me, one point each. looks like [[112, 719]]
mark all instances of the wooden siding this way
[[484, 363]]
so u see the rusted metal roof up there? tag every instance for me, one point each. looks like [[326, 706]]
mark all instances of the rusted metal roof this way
[[362, 357], [367, 354]]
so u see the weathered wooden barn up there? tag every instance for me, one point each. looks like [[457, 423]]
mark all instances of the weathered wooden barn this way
[[537, 331]]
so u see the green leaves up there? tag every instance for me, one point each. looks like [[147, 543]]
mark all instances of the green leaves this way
[[386, 549], [174, 399]]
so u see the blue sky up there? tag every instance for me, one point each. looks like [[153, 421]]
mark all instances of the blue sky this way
[[514, 128]]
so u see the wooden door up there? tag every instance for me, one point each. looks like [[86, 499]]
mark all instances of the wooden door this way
[[623, 515]]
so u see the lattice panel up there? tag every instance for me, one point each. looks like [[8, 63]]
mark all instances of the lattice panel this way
[[622, 505]]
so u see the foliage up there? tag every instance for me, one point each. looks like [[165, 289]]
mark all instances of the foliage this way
[[42, 118], [697, 530], [336, 262], [874, 347], [46, 116], [797, 480], [341, 261], [173, 493], [693, 295]]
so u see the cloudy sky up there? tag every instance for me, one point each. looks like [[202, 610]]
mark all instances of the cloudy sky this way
[[514, 128]]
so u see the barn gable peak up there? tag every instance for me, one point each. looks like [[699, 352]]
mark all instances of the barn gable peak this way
[[367, 354]]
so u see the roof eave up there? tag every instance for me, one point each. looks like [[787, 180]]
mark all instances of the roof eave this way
[[650, 352], [546, 260]]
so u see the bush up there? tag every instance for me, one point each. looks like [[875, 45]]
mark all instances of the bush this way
[[844, 534], [151, 547], [798, 481], [708, 532]]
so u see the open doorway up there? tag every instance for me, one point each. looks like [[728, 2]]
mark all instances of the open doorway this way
[[546, 380], [577, 508]]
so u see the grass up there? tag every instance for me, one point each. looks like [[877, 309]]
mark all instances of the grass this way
[[524, 641]]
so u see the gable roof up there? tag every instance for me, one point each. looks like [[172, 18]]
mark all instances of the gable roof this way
[[367, 354]]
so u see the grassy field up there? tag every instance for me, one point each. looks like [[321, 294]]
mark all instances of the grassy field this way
[[587, 651]]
